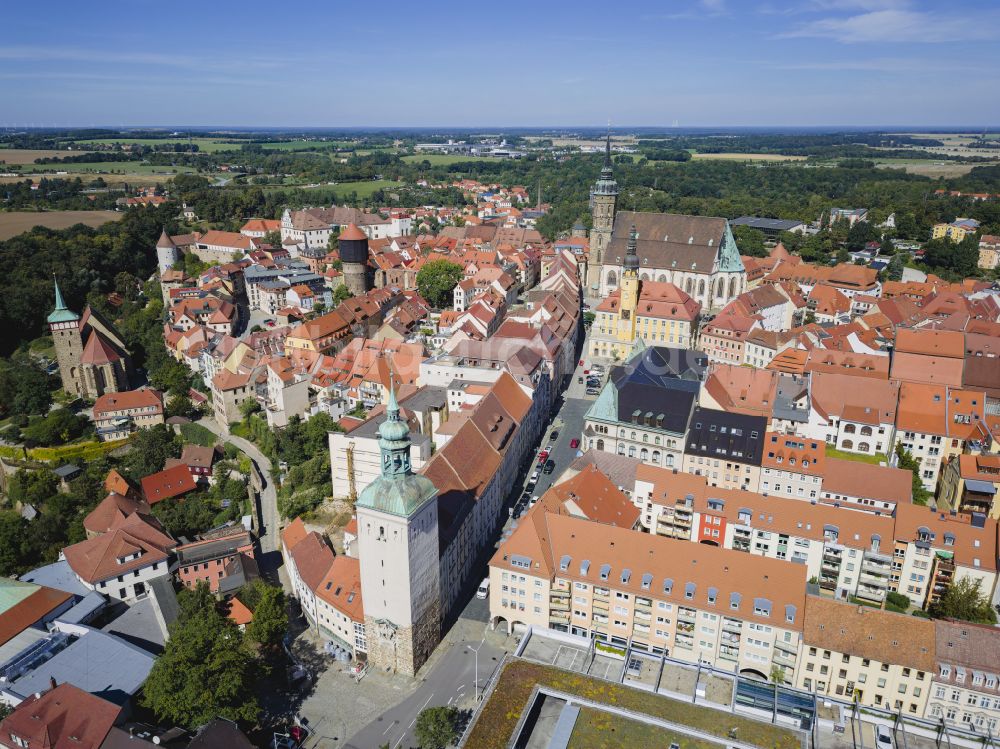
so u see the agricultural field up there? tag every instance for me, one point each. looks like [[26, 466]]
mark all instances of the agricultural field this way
[[931, 167], [13, 223], [442, 159], [746, 157], [28, 156], [207, 145]]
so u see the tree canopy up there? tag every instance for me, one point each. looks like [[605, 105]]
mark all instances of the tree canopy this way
[[437, 727], [205, 669], [437, 280], [964, 600]]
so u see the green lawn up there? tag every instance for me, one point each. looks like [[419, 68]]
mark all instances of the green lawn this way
[[442, 159], [364, 189], [501, 712], [599, 730], [832, 452]]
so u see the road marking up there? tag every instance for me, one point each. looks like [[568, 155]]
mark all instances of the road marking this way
[[391, 726], [450, 699]]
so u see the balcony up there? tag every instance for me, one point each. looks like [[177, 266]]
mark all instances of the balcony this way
[[557, 604], [783, 659], [559, 617], [874, 581], [876, 567], [728, 653], [871, 594], [732, 625], [600, 607]]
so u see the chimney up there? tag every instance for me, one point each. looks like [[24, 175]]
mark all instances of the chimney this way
[[52, 682]]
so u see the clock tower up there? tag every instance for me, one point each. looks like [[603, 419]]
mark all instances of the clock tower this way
[[399, 555]]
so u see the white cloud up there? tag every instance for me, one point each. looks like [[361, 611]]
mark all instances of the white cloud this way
[[899, 25]]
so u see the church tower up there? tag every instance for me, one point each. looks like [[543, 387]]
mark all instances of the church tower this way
[[399, 555], [603, 199], [64, 324], [629, 289]]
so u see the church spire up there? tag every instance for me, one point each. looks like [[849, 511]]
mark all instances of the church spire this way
[[631, 263], [61, 313], [607, 151], [60, 304]]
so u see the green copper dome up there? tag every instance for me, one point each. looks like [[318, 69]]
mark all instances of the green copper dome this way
[[398, 490]]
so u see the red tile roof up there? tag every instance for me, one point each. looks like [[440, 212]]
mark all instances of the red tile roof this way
[[28, 611], [98, 558], [63, 718], [168, 483]]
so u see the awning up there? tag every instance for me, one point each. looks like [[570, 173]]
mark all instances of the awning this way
[[980, 487]]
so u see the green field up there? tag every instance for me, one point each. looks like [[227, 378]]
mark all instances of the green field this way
[[363, 189], [208, 145], [441, 159], [111, 167]]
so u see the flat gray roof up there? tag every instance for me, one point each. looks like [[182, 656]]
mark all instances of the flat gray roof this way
[[96, 662], [57, 575]]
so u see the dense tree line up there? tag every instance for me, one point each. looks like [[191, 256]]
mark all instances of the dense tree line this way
[[85, 260], [56, 194]]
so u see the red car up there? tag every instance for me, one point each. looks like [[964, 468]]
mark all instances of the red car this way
[[542, 456], [574, 443], [581, 362]]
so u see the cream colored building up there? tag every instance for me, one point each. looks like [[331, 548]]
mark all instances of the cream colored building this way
[[876, 657], [692, 602]]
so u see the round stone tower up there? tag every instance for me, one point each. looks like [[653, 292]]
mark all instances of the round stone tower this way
[[166, 252], [354, 256]]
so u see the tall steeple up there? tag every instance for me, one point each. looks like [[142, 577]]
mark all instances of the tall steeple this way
[[61, 313], [603, 201]]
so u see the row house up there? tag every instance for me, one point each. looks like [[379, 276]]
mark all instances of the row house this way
[[473, 474], [792, 466], [856, 415], [327, 586], [935, 549], [225, 563], [724, 338], [969, 484], [965, 691], [864, 655], [936, 423], [692, 602], [726, 448]]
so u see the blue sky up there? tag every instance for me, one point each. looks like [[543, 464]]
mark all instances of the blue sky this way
[[548, 62]]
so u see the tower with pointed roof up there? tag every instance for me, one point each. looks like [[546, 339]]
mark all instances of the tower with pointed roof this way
[[603, 201], [92, 356], [167, 253], [629, 288], [399, 554]]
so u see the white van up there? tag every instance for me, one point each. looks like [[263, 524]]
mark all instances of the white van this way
[[484, 588]]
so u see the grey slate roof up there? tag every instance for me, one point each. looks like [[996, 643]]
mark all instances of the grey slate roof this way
[[727, 436]]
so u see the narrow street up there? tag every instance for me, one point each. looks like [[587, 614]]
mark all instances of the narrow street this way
[[270, 543]]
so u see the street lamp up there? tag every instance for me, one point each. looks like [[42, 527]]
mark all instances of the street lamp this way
[[476, 651]]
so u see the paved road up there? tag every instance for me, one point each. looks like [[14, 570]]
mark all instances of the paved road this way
[[451, 680], [267, 534]]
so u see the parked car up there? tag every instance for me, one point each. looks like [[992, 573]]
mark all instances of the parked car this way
[[555, 435], [581, 362], [533, 501], [484, 589], [550, 466], [574, 443], [593, 391], [534, 478], [883, 737], [542, 456]]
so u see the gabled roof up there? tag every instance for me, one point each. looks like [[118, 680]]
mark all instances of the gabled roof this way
[[30, 604], [168, 483], [98, 350], [62, 718], [111, 510], [98, 558]]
